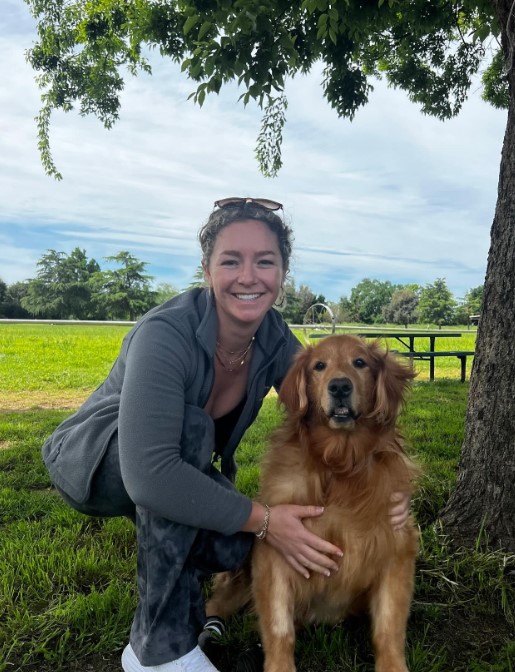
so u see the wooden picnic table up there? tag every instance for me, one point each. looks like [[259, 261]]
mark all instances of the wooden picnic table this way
[[410, 336], [407, 339]]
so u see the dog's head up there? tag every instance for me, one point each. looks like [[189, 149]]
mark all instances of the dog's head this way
[[343, 381]]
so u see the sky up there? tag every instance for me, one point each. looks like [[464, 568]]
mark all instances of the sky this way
[[393, 195]]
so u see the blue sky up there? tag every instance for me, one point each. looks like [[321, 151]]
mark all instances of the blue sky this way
[[393, 195]]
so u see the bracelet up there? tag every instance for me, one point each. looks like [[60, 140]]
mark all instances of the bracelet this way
[[266, 522]]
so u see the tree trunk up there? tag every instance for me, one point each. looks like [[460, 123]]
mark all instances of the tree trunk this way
[[484, 498]]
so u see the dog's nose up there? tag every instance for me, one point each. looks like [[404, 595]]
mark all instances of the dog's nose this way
[[339, 388]]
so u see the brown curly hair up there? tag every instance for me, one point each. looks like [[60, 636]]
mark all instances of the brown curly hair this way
[[229, 214]]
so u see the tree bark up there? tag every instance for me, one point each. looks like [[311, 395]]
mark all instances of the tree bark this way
[[484, 498]]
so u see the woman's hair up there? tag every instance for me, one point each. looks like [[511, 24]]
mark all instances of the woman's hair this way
[[222, 217]]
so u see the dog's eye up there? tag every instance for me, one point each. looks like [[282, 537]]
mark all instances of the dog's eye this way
[[359, 363], [319, 366]]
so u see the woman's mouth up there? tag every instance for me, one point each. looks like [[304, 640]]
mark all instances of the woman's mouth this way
[[247, 297]]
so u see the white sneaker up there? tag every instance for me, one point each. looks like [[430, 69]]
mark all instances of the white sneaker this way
[[194, 661]]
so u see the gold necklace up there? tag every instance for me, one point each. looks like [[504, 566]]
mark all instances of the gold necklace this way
[[239, 359]]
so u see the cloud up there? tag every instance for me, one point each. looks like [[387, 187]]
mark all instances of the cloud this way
[[392, 195]]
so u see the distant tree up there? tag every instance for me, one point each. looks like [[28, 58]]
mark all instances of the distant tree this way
[[402, 308], [61, 288], [436, 305], [165, 291], [44, 296], [473, 300], [125, 292], [343, 311], [307, 298], [11, 306], [3, 290], [291, 303], [368, 298], [297, 301], [469, 305], [199, 279]]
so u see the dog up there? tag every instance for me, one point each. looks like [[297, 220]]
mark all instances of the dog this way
[[339, 448]]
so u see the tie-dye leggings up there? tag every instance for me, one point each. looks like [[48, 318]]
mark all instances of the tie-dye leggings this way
[[173, 560]]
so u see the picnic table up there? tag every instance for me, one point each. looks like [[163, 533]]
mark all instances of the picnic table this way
[[410, 336], [407, 340]]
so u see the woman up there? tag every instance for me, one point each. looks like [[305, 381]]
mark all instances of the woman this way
[[190, 378]]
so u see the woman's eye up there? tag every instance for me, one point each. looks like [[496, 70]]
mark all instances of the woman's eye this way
[[319, 366], [266, 262], [359, 363], [229, 262]]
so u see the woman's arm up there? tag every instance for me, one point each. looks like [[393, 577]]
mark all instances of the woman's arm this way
[[156, 473]]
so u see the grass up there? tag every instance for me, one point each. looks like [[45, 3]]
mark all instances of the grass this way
[[67, 582], [44, 363]]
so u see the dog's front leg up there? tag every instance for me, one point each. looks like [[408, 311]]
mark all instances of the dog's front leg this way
[[389, 607], [274, 601]]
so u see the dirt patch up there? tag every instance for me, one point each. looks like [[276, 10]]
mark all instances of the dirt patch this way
[[4, 445], [50, 399], [44, 399]]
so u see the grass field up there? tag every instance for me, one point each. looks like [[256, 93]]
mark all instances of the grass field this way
[[47, 365], [67, 582]]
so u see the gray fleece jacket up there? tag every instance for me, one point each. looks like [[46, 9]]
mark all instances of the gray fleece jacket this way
[[153, 397]]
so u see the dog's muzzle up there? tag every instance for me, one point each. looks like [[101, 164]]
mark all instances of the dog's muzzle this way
[[340, 393]]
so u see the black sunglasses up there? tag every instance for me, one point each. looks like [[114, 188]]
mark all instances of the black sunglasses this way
[[238, 200]]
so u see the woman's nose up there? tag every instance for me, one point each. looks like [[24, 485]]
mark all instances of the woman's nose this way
[[247, 274]]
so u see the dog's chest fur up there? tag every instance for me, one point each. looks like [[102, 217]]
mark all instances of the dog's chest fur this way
[[356, 500]]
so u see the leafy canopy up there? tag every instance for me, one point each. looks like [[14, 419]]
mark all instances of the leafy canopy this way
[[429, 48]]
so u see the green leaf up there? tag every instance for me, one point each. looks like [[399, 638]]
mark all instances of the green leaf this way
[[309, 6], [333, 14], [204, 28], [189, 23]]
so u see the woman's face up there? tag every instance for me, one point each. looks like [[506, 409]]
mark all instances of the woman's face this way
[[245, 272]]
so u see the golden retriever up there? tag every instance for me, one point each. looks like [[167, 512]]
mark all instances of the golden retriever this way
[[338, 448]]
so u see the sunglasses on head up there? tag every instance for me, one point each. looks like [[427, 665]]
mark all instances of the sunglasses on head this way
[[237, 200]]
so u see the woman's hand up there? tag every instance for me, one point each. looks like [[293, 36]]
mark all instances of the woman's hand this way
[[304, 551], [400, 509]]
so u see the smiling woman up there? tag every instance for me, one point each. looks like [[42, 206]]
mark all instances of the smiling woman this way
[[146, 437]]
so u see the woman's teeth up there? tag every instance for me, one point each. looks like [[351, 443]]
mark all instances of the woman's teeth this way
[[247, 297]]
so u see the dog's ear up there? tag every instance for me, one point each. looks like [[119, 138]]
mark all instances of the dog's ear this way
[[393, 378], [293, 393]]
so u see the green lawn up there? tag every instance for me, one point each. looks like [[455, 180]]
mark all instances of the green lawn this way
[[67, 582]]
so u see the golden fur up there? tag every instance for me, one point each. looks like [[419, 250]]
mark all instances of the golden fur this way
[[339, 448]]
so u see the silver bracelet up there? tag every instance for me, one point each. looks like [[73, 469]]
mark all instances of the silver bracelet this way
[[266, 522]]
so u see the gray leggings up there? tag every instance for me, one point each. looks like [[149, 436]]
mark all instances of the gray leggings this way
[[173, 562]]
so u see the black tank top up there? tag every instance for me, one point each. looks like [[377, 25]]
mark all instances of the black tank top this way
[[224, 426]]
